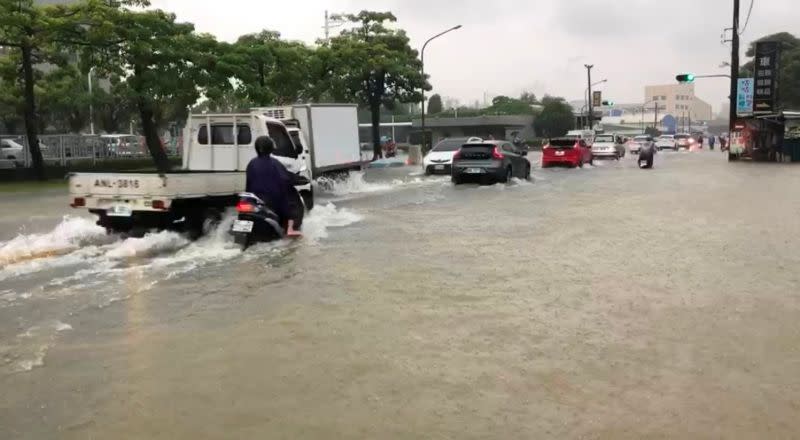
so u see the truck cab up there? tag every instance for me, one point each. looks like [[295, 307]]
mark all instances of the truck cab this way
[[229, 145]]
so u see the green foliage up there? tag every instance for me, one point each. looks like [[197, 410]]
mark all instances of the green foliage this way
[[265, 70], [435, 104], [166, 65], [503, 105], [375, 66], [555, 119], [528, 98], [789, 79]]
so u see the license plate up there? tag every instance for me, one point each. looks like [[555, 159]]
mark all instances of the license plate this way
[[559, 153], [119, 211], [242, 226], [438, 167], [474, 171]]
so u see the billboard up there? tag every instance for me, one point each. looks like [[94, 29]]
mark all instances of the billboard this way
[[767, 64], [744, 96], [597, 98]]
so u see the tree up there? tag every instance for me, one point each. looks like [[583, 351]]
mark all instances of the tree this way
[[435, 105], [528, 98], [64, 99], [267, 69], [165, 64], [33, 35], [789, 74], [374, 66], [555, 119], [503, 105]]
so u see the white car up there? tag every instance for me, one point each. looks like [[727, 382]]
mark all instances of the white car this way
[[11, 150], [636, 144], [666, 141], [608, 145], [440, 159]]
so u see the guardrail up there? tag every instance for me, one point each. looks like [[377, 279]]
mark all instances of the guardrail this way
[[61, 149]]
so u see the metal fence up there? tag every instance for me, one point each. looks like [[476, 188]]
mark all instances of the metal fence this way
[[62, 149]]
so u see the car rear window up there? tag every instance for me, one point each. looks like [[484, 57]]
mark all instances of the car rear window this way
[[682, 136], [563, 142], [222, 134], [449, 145], [604, 138]]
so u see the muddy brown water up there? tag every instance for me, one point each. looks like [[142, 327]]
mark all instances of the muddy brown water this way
[[608, 302]]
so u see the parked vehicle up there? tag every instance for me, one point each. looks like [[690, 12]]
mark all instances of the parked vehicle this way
[[639, 141], [440, 159], [568, 150], [122, 145], [608, 145], [217, 150], [666, 141], [496, 161], [11, 150], [683, 140]]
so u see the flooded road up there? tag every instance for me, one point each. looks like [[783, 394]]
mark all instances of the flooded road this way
[[604, 302]]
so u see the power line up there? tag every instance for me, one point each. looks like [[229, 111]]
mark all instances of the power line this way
[[747, 21]]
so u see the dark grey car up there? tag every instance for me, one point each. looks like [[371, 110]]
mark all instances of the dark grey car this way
[[495, 161]]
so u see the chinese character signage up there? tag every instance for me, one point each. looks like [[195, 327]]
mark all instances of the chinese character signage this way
[[766, 65], [597, 99], [744, 96]]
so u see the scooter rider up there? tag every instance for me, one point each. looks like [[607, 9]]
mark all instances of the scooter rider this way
[[268, 179]]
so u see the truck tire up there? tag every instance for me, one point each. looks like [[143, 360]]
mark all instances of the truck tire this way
[[204, 222]]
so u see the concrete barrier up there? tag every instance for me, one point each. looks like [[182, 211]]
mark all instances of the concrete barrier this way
[[415, 155]]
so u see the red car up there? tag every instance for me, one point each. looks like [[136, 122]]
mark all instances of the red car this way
[[568, 150]]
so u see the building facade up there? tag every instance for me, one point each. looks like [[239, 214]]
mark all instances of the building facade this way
[[679, 100]]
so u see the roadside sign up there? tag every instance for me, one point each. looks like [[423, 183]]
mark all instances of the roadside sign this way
[[744, 96], [767, 64], [597, 98]]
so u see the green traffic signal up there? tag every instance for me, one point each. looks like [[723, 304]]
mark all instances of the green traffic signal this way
[[608, 103], [685, 78]]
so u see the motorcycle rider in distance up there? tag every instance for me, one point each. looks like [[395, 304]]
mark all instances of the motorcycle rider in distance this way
[[269, 180]]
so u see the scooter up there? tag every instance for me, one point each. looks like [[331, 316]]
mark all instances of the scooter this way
[[646, 155], [256, 222]]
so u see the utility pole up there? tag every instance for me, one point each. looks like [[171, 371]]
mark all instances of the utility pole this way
[[591, 109], [734, 64], [655, 120], [331, 23]]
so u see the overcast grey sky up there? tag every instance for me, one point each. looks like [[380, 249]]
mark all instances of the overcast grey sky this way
[[507, 46]]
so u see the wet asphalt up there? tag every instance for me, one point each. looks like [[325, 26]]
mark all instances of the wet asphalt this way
[[604, 302]]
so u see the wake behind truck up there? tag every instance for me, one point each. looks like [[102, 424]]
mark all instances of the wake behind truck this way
[[310, 140]]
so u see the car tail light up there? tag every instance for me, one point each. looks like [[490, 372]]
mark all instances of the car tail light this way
[[159, 204], [496, 154], [243, 206], [78, 202], [457, 155]]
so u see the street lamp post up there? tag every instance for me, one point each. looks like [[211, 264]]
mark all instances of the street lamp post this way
[[588, 98], [591, 110], [422, 62], [91, 102]]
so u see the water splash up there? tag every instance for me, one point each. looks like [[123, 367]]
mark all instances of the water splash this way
[[67, 236]]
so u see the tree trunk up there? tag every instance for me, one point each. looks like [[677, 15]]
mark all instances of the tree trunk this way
[[31, 122], [375, 110], [151, 137]]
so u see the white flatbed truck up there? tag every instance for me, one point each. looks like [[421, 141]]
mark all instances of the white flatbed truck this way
[[193, 198]]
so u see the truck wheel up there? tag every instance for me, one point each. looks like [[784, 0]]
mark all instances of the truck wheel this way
[[204, 223]]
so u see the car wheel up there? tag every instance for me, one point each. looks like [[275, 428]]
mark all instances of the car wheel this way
[[509, 175], [528, 172], [455, 179], [580, 164]]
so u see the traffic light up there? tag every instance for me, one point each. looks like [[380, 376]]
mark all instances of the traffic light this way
[[685, 78], [608, 103]]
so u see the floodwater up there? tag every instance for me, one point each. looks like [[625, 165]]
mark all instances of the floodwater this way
[[604, 302]]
